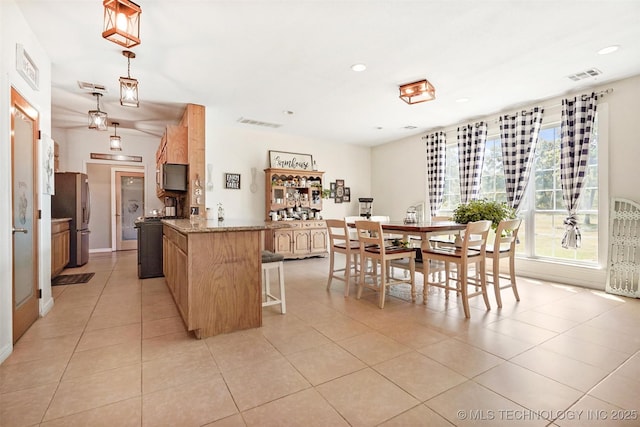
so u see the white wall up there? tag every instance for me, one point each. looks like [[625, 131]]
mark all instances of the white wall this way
[[76, 145], [238, 150], [13, 30], [400, 169]]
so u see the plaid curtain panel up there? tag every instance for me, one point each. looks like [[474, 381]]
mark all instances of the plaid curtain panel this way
[[578, 115], [436, 150], [518, 138], [471, 142]]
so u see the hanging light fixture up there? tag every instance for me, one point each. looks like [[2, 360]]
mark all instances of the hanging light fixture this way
[[97, 118], [416, 92], [115, 143], [122, 22], [129, 86]]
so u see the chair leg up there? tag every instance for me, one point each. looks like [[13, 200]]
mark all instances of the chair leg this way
[[425, 280], [283, 306], [447, 273], [331, 261], [412, 271], [496, 280], [483, 283], [361, 284], [462, 277], [512, 274], [347, 274], [382, 287], [267, 283]]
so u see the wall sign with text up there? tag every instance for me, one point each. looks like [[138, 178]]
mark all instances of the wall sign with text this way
[[284, 160], [232, 180]]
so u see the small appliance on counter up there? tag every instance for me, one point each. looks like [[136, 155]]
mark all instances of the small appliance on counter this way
[[170, 207], [365, 207]]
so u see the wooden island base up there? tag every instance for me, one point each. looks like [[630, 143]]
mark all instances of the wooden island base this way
[[214, 274]]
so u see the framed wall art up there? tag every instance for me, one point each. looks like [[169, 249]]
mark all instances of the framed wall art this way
[[232, 181], [339, 190], [347, 194], [285, 160]]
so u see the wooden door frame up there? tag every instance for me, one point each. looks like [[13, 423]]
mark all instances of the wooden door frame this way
[[114, 191], [18, 101]]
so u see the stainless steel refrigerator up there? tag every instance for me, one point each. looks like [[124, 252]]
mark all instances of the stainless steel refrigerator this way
[[72, 200]]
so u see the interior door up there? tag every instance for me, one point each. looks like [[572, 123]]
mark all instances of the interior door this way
[[129, 206], [24, 184]]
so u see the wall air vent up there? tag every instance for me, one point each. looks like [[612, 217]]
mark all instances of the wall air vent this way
[[592, 72], [92, 87], [258, 123]]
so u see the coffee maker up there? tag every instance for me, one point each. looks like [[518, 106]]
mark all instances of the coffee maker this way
[[365, 207], [170, 207]]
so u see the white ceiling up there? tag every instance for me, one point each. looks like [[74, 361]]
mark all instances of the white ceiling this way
[[256, 59]]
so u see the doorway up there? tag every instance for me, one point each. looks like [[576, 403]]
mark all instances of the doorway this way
[[129, 205], [24, 184]]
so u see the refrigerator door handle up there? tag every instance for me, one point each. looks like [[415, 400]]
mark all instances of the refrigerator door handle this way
[[88, 204]]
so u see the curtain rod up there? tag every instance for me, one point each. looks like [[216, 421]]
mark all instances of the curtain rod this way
[[599, 94]]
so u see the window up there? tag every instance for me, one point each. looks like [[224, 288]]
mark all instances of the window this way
[[542, 208]]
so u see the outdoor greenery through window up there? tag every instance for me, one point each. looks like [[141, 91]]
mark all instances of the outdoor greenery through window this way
[[542, 209]]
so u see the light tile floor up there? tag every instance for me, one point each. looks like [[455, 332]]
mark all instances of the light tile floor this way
[[114, 352]]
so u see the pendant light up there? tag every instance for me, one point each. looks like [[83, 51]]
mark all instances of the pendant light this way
[[97, 118], [121, 22], [115, 143], [129, 86]]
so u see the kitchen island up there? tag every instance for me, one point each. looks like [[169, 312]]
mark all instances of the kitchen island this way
[[213, 271]]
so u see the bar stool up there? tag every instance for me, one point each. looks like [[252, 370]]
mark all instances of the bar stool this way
[[272, 261]]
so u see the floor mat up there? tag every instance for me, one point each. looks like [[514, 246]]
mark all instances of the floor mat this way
[[71, 279]]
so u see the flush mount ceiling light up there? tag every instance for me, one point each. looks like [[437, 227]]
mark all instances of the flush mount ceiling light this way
[[609, 49], [97, 118], [115, 143], [416, 92], [129, 86], [122, 22], [358, 67]]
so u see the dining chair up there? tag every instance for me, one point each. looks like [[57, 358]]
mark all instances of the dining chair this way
[[504, 246], [341, 242], [438, 238], [352, 220], [472, 252], [372, 248]]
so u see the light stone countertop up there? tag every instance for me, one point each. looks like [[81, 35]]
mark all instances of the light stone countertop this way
[[213, 226], [57, 220]]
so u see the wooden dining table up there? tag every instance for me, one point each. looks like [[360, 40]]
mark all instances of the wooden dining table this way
[[422, 229]]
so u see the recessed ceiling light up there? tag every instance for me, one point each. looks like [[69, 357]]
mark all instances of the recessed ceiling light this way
[[287, 112], [379, 127], [462, 100], [358, 67], [608, 49]]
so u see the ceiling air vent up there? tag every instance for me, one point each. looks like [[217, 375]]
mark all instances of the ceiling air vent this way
[[258, 123], [92, 87], [592, 72]]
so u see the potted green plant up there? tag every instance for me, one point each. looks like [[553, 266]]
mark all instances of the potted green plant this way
[[477, 210]]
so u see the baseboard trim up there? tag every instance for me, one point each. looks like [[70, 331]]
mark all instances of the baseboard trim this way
[[46, 307], [91, 251], [5, 352]]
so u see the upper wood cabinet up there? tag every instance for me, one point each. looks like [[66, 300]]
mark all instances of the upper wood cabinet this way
[[184, 143], [173, 146]]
